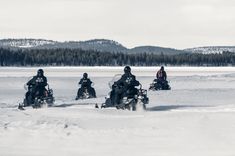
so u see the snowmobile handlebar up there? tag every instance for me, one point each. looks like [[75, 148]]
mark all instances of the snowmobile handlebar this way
[[26, 85], [92, 84]]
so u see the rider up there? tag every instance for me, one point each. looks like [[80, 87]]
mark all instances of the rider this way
[[36, 86], [161, 75], [85, 82], [124, 86]]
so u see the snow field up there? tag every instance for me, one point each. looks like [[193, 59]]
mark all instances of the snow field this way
[[197, 117]]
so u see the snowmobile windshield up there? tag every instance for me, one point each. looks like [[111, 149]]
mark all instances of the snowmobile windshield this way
[[114, 79]]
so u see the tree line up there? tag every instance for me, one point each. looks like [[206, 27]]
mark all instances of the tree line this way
[[78, 57]]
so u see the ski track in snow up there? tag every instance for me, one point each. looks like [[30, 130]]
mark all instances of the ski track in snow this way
[[196, 117]]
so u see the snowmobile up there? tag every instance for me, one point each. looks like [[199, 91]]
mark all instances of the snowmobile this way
[[133, 102], [159, 85], [45, 99], [85, 94]]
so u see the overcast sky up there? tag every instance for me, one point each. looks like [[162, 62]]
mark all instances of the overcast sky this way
[[169, 23]]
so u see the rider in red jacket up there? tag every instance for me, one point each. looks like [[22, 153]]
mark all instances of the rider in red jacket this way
[[161, 75]]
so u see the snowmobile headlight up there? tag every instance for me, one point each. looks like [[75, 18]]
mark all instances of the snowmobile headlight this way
[[140, 97]]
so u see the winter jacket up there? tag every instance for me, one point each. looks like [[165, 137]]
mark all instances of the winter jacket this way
[[85, 82], [128, 81], [38, 81], [161, 75]]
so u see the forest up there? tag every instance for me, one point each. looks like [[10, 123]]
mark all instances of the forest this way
[[78, 57]]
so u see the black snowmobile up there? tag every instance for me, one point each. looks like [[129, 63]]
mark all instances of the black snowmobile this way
[[86, 93], [132, 102], [37, 100], [159, 85]]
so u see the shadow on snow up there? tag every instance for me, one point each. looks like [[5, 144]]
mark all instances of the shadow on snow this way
[[73, 104], [173, 107]]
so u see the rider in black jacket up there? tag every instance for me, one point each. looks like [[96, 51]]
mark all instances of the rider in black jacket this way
[[124, 87], [36, 86], [85, 83]]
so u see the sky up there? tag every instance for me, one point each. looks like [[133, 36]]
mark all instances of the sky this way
[[168, 23]]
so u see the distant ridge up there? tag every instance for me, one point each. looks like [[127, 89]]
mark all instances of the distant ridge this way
[[25, 43], [102, 45], [155, 50], [211, 49]]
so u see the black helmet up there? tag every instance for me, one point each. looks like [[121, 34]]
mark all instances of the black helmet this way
[[127, 69], [40, 72], [162, 67], [85, 75]]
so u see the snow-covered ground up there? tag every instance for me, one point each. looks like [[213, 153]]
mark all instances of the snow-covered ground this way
[[197, 117]]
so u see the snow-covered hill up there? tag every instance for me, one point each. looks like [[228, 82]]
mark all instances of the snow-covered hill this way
[[25, 43], [212, 49], [104, 45], [101, 45], [156, 50]]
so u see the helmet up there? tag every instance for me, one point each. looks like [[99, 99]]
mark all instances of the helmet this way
[[127, 69], [85, 75], [40, 72], [162, 67]]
